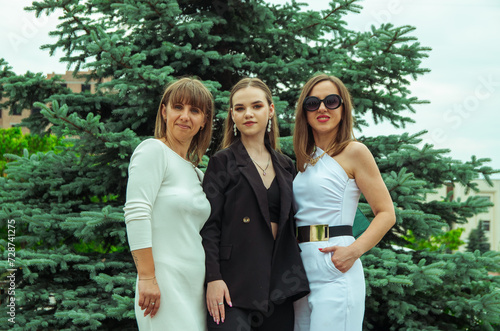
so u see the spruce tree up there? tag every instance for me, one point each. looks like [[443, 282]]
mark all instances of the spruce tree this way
[[478, 240], [73, 266]]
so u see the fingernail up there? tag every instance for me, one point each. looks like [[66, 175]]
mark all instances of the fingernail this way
[[217, 322], [320, 249], [222, 320], [230, 304]]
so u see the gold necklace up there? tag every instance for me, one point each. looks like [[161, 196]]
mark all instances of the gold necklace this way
[[267, 166], [316, 159]]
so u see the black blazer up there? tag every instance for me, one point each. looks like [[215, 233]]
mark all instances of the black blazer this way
[[238, 241]]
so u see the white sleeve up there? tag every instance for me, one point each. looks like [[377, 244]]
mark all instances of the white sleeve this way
[[146, 172]]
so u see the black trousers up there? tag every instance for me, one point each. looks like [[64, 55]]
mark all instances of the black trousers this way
[[280, 317]]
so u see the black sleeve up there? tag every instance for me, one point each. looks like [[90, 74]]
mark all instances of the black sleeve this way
[[293, 168], [214, 184]]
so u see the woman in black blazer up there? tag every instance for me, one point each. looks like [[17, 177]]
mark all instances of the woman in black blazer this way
[[253, 266]]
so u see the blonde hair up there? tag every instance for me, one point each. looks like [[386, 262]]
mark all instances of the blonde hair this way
[[192, 92], [229, 136], [303, 139]]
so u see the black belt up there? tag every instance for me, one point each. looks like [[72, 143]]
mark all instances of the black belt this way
[[321, 232]]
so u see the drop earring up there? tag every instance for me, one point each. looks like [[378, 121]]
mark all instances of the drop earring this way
[[235, 130], [269, 126]]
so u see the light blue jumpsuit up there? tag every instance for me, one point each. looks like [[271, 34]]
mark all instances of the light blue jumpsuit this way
[[324, 194]]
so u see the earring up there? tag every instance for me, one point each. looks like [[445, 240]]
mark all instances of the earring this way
[[235, 130], [269, 126]]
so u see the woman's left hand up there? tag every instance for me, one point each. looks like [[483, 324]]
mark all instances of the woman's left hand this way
[[342, 257]]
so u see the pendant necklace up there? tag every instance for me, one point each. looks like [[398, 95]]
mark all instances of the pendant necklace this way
[[267, 166]]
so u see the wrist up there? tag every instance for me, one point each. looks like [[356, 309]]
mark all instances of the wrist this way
[[151, 278], [214, 281], [357, 251], [146, 278]]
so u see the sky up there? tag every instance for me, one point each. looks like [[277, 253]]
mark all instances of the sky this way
[[463, 86]]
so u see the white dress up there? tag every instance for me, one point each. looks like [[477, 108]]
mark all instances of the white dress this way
[[166, 209], [324, 194]]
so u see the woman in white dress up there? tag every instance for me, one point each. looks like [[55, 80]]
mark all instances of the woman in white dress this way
[[334, 170], [166, 208]]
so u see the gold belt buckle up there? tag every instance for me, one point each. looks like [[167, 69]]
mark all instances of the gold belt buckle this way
[[319, 232]]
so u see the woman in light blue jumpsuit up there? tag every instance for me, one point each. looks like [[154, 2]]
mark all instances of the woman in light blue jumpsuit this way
[[334, 170]]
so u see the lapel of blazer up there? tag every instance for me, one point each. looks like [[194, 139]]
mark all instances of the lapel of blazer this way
[[247, 169], [285, 180]]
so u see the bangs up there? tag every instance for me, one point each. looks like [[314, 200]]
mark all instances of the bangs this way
[[191, 93]]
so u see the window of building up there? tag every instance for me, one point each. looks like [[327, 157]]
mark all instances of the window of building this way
[[64, 85], [35, 110], [16, 110], [85, 87], [486, 225]]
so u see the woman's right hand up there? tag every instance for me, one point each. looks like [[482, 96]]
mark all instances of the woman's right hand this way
[[149, 296], [216, 292]]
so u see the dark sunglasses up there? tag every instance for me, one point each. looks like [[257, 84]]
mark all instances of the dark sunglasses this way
[[332, 101]]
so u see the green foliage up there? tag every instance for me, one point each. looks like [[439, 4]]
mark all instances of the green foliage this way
[[446, 242], [14, 142], [478, 240], [73, 266], [426, 290]]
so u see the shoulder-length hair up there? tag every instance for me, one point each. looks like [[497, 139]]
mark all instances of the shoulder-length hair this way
[[192, 92], [229, 136], [303, 139]]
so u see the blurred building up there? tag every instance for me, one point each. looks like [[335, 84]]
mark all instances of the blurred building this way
[[9, 120], [490, 219]]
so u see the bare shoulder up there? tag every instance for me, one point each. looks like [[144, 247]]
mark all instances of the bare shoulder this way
[[356, 150], [354, 156], [358, 158]]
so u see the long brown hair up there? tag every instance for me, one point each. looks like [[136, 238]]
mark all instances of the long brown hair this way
[[303, 139], [192, 92], [229, 136]]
